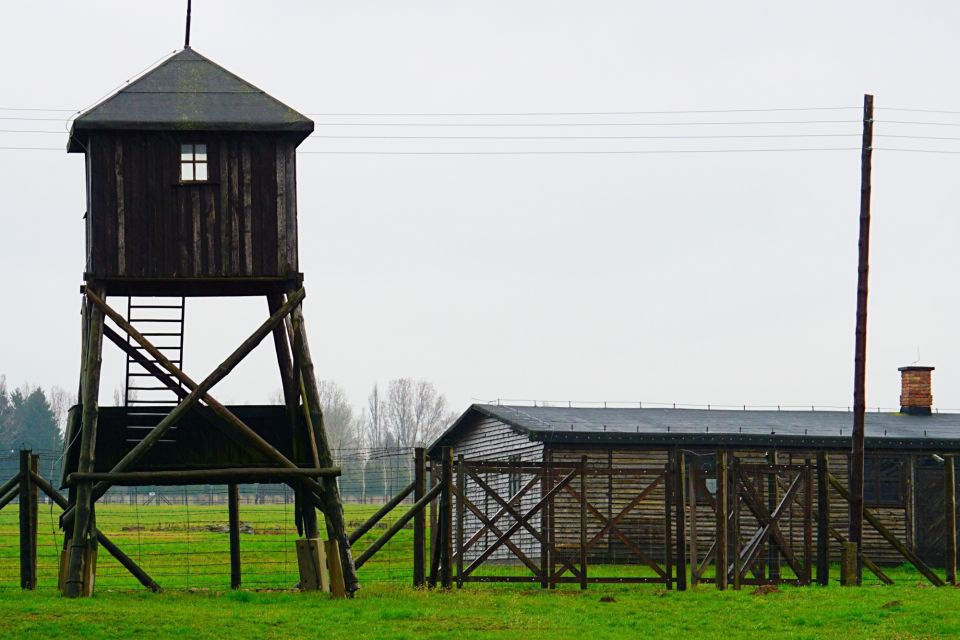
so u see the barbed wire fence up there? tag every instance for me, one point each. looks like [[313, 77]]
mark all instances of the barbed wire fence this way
[[179, 535]]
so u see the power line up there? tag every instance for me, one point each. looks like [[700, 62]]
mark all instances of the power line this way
[[36, 109], [677, 137], [584, 113], [602, 152], [704, 137], [578, 124]]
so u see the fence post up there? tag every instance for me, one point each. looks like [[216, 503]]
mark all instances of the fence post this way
[[722, 518], [446, 514], [735, 529], [823, 520], [583, 522], [419, 520], [692, 543], [461, 493], [28, 522], [950, 500], [680, 501], [233, 513]]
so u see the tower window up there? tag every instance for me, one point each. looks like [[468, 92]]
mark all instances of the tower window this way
[[193, 163]]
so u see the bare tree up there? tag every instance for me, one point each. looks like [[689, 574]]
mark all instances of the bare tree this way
[[60, 402], [338, 420], [415, 412]]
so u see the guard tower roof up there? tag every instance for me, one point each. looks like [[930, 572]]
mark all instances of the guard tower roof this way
[[189, 92]]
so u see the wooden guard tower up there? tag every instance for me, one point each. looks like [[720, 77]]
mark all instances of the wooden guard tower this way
[[191, 191]]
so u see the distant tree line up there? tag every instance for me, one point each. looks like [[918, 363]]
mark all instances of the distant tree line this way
[[31, 418], [373, 445]]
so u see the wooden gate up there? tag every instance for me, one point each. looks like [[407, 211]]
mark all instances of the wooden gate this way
[[760, 522], [557, 523]]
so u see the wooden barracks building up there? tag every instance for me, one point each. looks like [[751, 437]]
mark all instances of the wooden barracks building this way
[[903, 468]]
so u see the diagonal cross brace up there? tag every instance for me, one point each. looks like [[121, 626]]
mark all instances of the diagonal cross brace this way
[[516, 526], [768, 522], [197, 392], [504, 509], [615, 530]]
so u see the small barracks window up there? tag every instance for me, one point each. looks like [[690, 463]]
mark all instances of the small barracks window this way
[[193, 162], [883, 482]]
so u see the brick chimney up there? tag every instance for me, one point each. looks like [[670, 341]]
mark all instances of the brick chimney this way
[[915, 396]]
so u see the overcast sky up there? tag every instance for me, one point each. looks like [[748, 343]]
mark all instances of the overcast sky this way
[[723, 278]]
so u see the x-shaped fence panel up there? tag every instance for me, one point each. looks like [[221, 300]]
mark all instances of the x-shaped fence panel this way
[[548, 518]]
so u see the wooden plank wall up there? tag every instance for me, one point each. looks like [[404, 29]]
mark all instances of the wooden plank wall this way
[[143, 223]]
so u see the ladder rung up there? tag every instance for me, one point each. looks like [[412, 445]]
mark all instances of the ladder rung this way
[[131, 320], [136, 401], [158, 441], [174, 361], [156, 306], [159, 333], [140, 375], [159, 348], [160, 388]]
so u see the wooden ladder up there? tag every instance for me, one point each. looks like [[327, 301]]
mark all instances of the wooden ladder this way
[[161, 321]]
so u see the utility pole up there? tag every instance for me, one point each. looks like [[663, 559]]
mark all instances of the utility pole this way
[[860, 350]]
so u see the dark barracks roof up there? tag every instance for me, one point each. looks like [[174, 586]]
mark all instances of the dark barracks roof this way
[[693, 427], [189, 92]]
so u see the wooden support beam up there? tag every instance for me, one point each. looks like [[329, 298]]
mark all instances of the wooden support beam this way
[[292, 386], [399, 524], [823, 520], [460, 495], [333, 507], [950, 516], [420, 518], [692, 502], [773, 558], [583, 522], [723, 502], [10, 490], [83, 536], [197, 391], [200, 476], [808, 523], [233, 517], [889, 537], [446, 557], [680, 500], [28, 521], [105, 542], [372, 521]]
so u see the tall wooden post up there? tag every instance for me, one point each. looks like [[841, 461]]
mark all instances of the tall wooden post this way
[[950, 516], [773, 557], [446, 512], [668, 477], [333, 507], [29, 497], [583, 522], [735, 528], [291, 386], [82, 550], [233, 511], [910, 495], [860, 349], [721, 556], [420, 519], [461, 491], [823, 520], [692, 501], [680, 500]]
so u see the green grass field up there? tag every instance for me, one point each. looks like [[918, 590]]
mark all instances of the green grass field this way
[[182, 549]]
